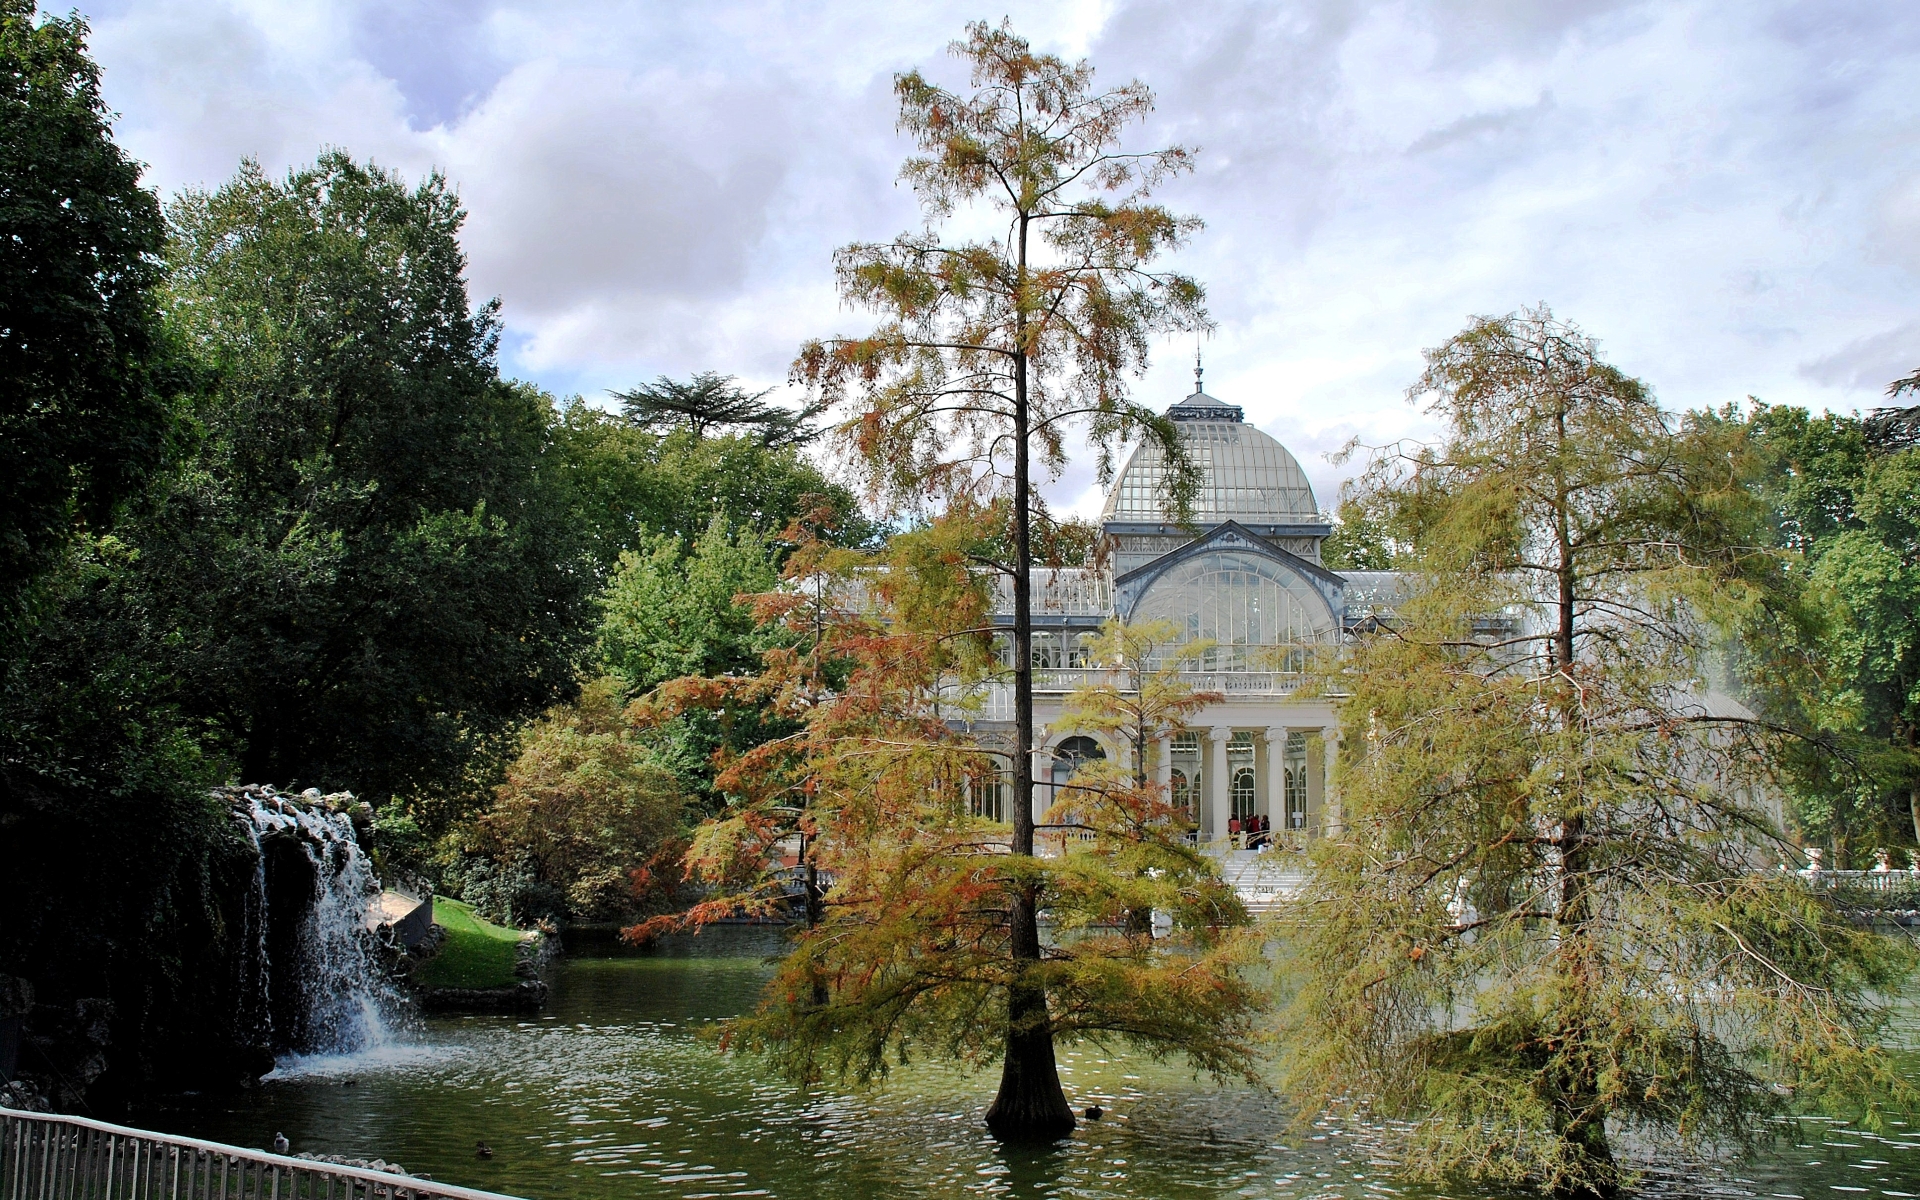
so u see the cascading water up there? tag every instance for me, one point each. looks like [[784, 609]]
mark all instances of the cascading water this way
[[313, 985], [256, 1014]]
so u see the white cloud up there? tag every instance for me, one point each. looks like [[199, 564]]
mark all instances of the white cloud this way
[[1722, 190]]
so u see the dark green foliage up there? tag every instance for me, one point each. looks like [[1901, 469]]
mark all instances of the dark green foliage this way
[[711, 401], [631, 482], [122, 879], [83, 417], [1850, 507], [119, 875], [370, 564]]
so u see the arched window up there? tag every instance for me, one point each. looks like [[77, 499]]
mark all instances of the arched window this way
[[1243, 793], [990, 794], [1068, 757], [1240, 774], [1071, 752], [1252, 608]]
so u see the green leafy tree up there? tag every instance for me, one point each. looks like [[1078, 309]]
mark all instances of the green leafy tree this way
[[370, 566], [84, 366], [1846, 506], [1360, 540], [678, 610], [1874, 571], [711, 401], [989, 352], [1554, 909], [673, 610], [631, 482]]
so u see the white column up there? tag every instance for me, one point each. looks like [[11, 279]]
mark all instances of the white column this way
[[1330, 821], [1161, 772], [1277, 780], [1042, 777], [1219, 791]]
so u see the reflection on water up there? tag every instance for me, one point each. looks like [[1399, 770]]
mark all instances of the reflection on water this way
[[609, 1094]]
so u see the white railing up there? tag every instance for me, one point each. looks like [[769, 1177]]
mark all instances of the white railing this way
[[45, 1156], [1067, 679], [1235, 683], [1863, 881]]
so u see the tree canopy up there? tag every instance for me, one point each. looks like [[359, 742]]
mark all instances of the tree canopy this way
[[1847, 508], [370, 560], [631, 483], [85, 371], [711, 401], [989, 352], [1554, 904]]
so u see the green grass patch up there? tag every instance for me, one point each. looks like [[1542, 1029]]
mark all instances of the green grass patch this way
[[476, 954]]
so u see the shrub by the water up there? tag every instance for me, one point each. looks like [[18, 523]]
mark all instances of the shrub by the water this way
[[572, 833]]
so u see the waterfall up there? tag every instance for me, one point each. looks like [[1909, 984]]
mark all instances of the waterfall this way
[[313, 983], [256, 1010]]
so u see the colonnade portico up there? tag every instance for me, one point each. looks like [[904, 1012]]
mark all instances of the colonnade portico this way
[[1212, 807]]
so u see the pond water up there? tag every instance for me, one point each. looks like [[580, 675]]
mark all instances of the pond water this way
[[610, 1094]]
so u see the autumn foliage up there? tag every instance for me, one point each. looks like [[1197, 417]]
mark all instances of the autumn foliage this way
[[864, 823]]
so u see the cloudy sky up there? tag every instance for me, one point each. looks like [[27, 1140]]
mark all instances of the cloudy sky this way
[[1725, 192]]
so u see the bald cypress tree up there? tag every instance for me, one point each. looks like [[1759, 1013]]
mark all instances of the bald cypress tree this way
[[1555, 911], [989, 352]]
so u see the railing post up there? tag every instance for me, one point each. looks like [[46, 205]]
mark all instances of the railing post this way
[[49, 1157]]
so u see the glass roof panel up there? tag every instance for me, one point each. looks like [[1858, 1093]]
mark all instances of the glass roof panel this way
[[1247, 476]]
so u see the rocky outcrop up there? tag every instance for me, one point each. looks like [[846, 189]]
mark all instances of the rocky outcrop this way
[[528, 993], [315, 975], [16, 1001], [365, 1164]]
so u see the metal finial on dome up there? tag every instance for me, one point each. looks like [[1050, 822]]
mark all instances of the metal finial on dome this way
[[1197, 389]]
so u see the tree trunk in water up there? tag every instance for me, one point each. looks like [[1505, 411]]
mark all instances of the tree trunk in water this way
[[1030, 1105]]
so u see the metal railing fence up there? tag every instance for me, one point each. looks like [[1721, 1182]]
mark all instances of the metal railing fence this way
[[48, 1156]]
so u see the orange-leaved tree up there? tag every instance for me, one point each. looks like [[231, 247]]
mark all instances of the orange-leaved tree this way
[[989, 353], [868, 819]]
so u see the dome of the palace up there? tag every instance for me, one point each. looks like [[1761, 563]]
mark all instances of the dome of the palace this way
[[1247, 476]]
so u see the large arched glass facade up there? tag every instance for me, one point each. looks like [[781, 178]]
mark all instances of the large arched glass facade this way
[[1254, 610]]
